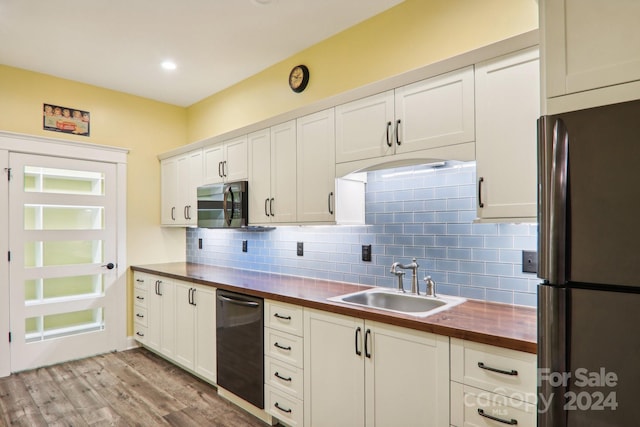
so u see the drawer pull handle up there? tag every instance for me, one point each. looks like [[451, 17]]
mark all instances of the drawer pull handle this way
[[140, 334], [510, 422], [140, 298], [281, 347], [277, 375], [288, 411], [512, 372], [140, 280], [140, 315], [279, 316]]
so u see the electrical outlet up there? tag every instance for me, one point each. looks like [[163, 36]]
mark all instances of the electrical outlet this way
[[366, 253], [199, 243], [529, 261], [300, 249], [244, 246]]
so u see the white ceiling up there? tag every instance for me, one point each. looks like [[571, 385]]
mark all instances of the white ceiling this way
[[119, 44]]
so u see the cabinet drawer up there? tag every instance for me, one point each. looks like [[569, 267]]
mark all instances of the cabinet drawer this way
[[287, 409], [284, 347], [482, 409], [140, 316], [283, 377], [283, 317], [140, 297], [141, 280], [139, 333], [508, 372]]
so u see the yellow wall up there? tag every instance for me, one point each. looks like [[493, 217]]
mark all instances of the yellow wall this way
[[413, 34]]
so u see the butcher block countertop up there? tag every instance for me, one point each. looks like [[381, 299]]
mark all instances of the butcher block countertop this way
[[496, 324]]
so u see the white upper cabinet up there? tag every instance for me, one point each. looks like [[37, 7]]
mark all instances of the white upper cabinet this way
[[431, 113], [507, 107], [272, 174], [226, 162], [435, 112], [180, 178], [316, 158], [282, 204], [587, 45], [169, 191], [364, 128]]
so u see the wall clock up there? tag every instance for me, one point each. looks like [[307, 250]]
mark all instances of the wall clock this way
[[299, 78]]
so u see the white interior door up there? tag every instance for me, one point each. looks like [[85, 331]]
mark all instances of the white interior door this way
[[62, 238]]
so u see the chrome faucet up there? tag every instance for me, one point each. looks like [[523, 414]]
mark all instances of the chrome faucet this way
[[431, 287], [399, 274], [414, 277]]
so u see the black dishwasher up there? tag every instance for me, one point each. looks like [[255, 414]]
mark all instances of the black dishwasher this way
[[240, 342]]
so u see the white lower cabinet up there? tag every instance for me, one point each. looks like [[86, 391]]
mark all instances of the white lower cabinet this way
[[362, 373], [178, 320], [492, 386], [161, 314], [480, 408], [195, 326], [284, 362]]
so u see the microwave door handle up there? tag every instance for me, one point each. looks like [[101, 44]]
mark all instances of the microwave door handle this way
[[556, 256], [228, 193]]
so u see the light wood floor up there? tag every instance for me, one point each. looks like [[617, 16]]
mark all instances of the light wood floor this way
[[130, 388]]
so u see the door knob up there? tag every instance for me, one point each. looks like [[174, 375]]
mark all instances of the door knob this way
[[109, 266]]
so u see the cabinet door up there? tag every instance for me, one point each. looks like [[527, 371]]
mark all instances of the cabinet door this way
[[407, 377], [189, 178], [213, 157], [316, 167], [184, 325], [435, 112], [169, 191], [205, 327], [589, 44], [508, 105], [282, 206], [259, 176], [235, 167], [154, 313], [167, 322], [333, 370], [364, 128]]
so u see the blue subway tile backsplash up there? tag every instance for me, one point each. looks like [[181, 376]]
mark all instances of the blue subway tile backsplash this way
[[415, 211]]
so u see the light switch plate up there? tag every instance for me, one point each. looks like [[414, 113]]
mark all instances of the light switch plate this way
[[366, 253], [529, 261]]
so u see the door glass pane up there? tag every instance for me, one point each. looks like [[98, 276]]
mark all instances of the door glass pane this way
[[61, 287], [45, 254], [53, 217], [64, 324], [63, 181]]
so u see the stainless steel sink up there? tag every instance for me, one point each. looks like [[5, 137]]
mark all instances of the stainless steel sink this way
[[387, 299]]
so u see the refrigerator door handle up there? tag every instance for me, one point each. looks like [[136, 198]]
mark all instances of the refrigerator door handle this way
[[556, 252], [552, 355]]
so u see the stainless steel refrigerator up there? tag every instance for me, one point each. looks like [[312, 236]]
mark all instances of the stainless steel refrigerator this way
[[589, 260]]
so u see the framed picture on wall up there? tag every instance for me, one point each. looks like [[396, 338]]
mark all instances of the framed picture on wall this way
[[66, 120]]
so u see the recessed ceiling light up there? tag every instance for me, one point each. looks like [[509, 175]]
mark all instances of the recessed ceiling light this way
[[262, 2], [169, 65]]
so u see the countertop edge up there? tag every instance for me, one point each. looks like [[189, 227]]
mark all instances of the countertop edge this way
[[423, 324]]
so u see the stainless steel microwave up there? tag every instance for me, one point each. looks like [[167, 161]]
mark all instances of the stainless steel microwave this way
[[223, 205]]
